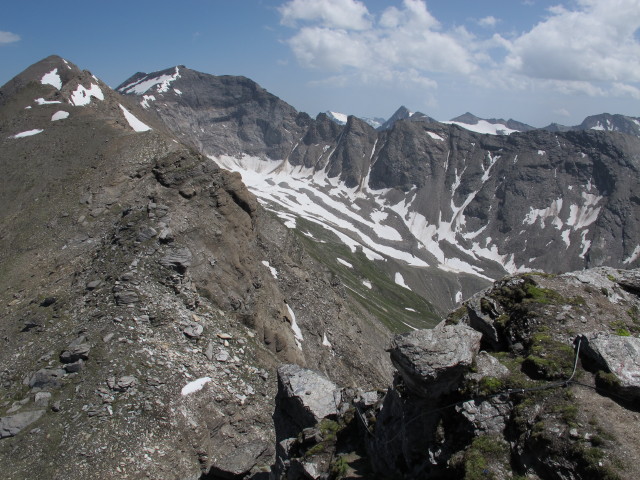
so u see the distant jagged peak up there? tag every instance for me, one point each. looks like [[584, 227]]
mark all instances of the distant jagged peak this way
[[403, 113], [342, 118], [491, 126], [147, 83], [339, 118], [604, 122]]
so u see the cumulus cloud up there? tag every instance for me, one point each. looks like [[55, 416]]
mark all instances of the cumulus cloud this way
[[346, 14], [488, 22], [595, 42], [8, 37], [592, 48], [343, 36]]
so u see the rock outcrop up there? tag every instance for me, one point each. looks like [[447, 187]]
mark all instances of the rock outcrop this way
[[525, 406]]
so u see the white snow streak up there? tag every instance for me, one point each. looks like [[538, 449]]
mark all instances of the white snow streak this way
[[297, 333], [325, 340], [485, 127], [344, 262], [42, 101], [633, 257], [28, 133], [435, 136], [367, 283], [274, 272], [134, 122]]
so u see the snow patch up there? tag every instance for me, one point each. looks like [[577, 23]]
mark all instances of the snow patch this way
[[297, 333], [274, 272], [367, 283], [435, 136], [325, 340], [146, 99], [141, 86], [134, 122], [541, 152], [633, 257], [59, 115], [42, 101], [485, 127], [52, 78], [194, 386], [339, 118], [458, 296], [409, 309], [552, 211], [399, 279], [344, 262], [28, 133], [82, 96]]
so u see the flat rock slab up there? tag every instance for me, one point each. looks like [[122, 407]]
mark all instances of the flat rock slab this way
[[431, 362], [12, 425], [617, 354], [306, 395]]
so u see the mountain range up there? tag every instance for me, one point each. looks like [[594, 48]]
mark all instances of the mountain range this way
[[168, 244], [427, 196]]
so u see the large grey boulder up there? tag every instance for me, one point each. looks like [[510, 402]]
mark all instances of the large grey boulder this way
[[619, 355], [306, 396], [431, 362], [14, 424]]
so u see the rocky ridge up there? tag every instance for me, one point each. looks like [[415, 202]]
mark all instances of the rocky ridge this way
[[535, 377], [146, 296]]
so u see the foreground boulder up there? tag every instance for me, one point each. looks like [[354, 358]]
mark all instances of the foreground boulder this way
[[431, 362]]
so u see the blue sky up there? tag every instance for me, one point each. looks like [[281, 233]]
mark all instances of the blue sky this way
[[537, 61]]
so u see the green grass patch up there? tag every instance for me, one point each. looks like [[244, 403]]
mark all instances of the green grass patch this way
[[396, 307], [484, 452]]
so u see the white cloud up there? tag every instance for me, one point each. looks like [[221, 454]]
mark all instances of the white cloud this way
[[589, 49], [594, 43], [405, 43], [488, 22], [346, 14], [8, 37]]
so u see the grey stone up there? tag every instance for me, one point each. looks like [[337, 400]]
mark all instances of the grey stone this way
[[14, 424], [179, 259], [431, 362], [74, 367], [146, 233], [487, 417], [93, 284], [127, 297], [42, 399], [488, 366], [222, 355], [75, 353], [209, 351], [194, 330], [306, 395], [618, 355], [46, 378]]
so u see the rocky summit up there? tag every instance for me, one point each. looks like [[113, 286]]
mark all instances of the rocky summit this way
[[200, 282]]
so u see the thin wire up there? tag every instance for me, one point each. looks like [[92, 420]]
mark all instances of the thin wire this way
[[561, 383]]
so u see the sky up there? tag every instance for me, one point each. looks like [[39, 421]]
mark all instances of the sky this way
[[536, 61]]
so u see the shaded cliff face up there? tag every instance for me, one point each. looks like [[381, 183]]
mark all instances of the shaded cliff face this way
[[462, 207], [146, 296]]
